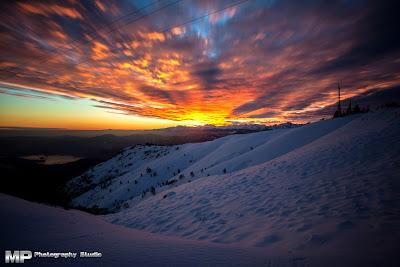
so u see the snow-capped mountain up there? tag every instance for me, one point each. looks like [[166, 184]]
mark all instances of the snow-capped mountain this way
[[329, 184], [324, 194], [235, 126], [337, 180], [143, 170]]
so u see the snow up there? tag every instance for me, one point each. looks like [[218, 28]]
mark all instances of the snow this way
[[334, 190], [113, 182], [36, 227], [324, 194]]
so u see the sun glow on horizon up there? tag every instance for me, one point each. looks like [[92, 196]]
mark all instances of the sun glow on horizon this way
[[70, 114], [250, 63]]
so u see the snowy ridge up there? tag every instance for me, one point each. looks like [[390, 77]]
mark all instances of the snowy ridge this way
[[324, 194], [138, 169], [329, 185], [338, 191]]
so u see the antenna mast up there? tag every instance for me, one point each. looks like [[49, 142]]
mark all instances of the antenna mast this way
[[339, 106]]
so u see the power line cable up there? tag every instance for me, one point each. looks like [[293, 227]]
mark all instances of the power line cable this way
[[186, 22], [94, 31]]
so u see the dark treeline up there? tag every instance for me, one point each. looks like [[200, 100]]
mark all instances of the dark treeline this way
[[356, 109], [41, 183]]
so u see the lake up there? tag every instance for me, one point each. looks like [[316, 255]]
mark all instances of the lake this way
[[52, 159]]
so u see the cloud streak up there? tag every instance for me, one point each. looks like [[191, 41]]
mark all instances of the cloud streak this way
[[262, 60]]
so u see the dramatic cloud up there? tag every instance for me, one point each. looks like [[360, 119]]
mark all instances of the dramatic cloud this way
[[264, 61]]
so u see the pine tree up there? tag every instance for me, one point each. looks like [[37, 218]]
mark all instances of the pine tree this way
[[349, 110], [356, 109]]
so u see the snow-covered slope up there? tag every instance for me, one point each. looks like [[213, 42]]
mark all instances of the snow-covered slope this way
[[335, 189], [138, 169], [324, 194], [35, 227]]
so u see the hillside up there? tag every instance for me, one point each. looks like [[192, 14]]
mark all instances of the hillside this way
[[37, 227], [339, 192], [133, 172], [327, 186], [324, 194]]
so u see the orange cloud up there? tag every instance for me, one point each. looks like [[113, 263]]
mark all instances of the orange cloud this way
[[228, 13], [100, 51], [44, 9], [262, 65], [178, 30], [100, 5], [60, 35], [153, 36]]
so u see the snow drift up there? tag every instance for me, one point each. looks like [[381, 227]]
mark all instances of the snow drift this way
[[323, 188], [340, 191], [324, 194], [138, 169], [35, 227]]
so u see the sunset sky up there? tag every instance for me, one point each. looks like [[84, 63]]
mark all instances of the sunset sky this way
[[153, 64]]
